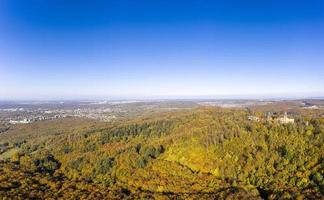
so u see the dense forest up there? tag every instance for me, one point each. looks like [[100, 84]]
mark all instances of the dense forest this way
[[203, 153]]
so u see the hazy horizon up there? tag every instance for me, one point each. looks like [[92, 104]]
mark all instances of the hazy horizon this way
[[85, 49], [166, 97]]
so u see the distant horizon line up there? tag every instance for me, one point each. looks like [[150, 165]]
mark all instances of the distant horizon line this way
[[167, 97]]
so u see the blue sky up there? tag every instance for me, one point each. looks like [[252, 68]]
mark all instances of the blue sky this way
[[102, 48]]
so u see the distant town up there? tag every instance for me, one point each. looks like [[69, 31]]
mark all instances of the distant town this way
[[29, 112]]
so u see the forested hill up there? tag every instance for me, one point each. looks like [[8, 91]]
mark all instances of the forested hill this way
[[204, 153]]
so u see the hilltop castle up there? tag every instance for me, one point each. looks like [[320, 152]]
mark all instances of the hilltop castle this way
[[285, 119], [270, 118]]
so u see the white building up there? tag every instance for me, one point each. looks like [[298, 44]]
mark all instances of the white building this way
[[24, 121], [285, 119], [253, 118]]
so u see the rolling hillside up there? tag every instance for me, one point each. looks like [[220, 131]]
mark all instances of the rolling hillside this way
[[204, 153]]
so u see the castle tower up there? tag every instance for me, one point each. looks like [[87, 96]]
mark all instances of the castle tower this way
[[285, 116], [269, 117]]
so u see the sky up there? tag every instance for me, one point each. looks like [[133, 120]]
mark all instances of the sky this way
[[164, 48]]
